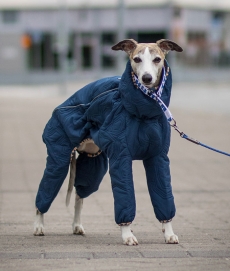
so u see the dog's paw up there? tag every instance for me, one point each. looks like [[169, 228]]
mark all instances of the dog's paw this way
[[127, 236], [39, 230], [39, 225], [78, 229], [171, 239], [130, 241]]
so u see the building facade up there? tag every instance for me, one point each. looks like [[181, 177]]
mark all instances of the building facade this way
[[80, 39]]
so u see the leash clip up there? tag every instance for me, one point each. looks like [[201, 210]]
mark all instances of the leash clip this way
[[182, 134], [173, 124]]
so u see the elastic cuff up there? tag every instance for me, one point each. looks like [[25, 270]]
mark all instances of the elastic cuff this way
[[91, 155], [166, 221], [88, 154], [125, 224]]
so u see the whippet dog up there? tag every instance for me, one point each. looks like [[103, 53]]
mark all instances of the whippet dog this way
[[147, 62]]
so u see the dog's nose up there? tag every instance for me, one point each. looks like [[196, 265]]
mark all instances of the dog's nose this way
[[147, 78]]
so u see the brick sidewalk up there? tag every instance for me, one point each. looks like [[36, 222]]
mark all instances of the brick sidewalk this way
[[201, 188]]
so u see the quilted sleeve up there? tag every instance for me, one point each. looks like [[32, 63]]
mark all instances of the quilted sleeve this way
[[120, 169]]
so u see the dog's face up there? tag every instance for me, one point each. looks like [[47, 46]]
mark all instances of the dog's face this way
[[147, 59]]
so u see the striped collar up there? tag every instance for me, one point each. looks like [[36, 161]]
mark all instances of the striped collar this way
[[155, 95], [151, 92]]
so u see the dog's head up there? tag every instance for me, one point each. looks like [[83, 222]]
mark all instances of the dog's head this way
[[147, 59]]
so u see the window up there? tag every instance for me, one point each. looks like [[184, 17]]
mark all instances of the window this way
[[108, 61], [10, 16], [87, 56], [176, 12], [145, 37], [41, 50], [108, 39], [218, 15]]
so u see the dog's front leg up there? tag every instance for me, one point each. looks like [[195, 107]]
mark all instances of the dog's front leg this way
[[120, 169], [127, 236], [39, 224], [77, 226], [170, 237]]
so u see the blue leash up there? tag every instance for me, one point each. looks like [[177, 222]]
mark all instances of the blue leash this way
[[183, 135], [157, 97]]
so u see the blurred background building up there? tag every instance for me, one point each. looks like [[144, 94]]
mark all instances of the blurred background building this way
[[44, 40]]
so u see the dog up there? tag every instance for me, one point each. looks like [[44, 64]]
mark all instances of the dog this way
[[113, 118]]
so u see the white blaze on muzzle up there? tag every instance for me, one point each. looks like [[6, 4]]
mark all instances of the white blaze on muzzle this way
[[147, 71]]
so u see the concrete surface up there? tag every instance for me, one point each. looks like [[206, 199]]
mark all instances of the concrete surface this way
[[200, 178]]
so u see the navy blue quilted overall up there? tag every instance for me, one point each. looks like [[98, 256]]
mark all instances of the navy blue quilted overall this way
[[126, 125]]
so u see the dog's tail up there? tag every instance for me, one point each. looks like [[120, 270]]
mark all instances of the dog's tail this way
[[71, 177]]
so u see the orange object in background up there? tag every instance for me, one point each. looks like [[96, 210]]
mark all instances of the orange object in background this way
[[26, 41]]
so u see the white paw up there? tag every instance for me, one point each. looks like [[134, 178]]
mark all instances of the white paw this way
[[78, 229], [39, 225], [130, 241], [39, 230], [171, 239], [127, 236]]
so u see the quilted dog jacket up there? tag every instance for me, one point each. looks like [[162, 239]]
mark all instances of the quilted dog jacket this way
[[126, 125]]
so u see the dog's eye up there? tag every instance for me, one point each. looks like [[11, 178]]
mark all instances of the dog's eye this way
[[157, 60], [137, 60]]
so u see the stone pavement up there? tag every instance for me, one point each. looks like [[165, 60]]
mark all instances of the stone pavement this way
[[200, 178]]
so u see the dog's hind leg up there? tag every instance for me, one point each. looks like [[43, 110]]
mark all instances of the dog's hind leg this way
[[89, 174], [170, 237], [39, 224], [77, 226], [72, 177]]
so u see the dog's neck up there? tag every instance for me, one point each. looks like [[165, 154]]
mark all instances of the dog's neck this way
[[149, 91], [130, 89]]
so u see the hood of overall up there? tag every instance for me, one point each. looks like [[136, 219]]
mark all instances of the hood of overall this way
[[136, 102]]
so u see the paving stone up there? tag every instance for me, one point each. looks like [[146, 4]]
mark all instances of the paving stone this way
[[165, 254], [211, 254], [200, 180], [126, 254]]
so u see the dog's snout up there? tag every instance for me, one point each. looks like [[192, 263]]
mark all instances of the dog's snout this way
[[147, 78]]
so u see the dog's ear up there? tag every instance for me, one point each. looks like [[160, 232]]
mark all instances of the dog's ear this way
[[168, 45], [125, 45]]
